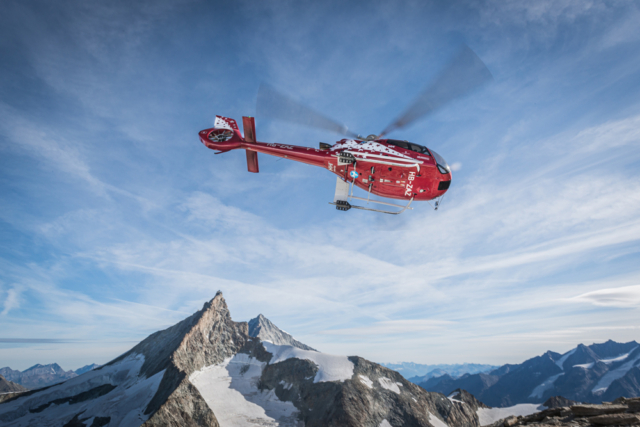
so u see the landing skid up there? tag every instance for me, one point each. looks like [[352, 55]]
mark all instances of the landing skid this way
[[344, 194]]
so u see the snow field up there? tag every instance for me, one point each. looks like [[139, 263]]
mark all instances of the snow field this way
[[366, 381], [561, 361], [606, 361], [545, 385], [384, 423], [451, 397], [387, 384], [611, 376], [435, 421], [330, 367], [231, 391]]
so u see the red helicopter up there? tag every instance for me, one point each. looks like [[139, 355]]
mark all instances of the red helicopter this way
[[389, 168]]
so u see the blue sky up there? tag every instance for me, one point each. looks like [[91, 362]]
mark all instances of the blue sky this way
[[116, 221]]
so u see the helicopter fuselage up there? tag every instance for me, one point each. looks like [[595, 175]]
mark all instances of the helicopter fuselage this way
[[376, 166]]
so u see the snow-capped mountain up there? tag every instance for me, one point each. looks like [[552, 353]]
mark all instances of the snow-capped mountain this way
[[38, 375], [595, 373], [208, 371], [263, 328]]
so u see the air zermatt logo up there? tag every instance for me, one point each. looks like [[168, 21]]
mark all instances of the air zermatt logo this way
[[225, 123], [409, 190]]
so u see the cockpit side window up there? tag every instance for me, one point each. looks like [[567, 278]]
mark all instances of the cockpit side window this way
[[397, 143], [419, 148], [408, 146]]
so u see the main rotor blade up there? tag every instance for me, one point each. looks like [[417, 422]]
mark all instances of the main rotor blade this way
[[462, 75], [274, 105]]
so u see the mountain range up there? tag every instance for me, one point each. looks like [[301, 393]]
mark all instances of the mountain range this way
[[594, 373], [417, 373], [39, 376], [208, 370]]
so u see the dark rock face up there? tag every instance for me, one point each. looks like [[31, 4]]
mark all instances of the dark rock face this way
[[264, 329], [579, 375], [468, 398], [9, 386], [516, 386], [628, 385], [612, 349], [372, 395], [581, 355]]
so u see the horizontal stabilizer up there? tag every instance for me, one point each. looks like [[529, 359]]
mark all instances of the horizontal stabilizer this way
[[252, 161]]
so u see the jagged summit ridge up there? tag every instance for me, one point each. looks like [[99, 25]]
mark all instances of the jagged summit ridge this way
[[263, 328], [207, 371], [148, 385]]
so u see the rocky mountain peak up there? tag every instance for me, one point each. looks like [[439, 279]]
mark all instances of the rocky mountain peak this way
[[158, 368], [204, 338], [206, 370], [262, 328]]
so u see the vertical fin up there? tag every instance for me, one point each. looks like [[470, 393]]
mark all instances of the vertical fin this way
[[249, 125]]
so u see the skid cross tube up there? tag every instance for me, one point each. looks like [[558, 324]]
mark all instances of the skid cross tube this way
[[404, 208]]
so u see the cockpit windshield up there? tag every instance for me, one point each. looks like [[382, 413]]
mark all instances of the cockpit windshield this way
[[408, 146], [441, 163]]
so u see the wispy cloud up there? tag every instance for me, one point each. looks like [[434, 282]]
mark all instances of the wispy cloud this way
[[118, 222], [626, 296]]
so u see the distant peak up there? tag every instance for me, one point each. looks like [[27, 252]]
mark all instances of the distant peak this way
[[264, 329], [218, 293]]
